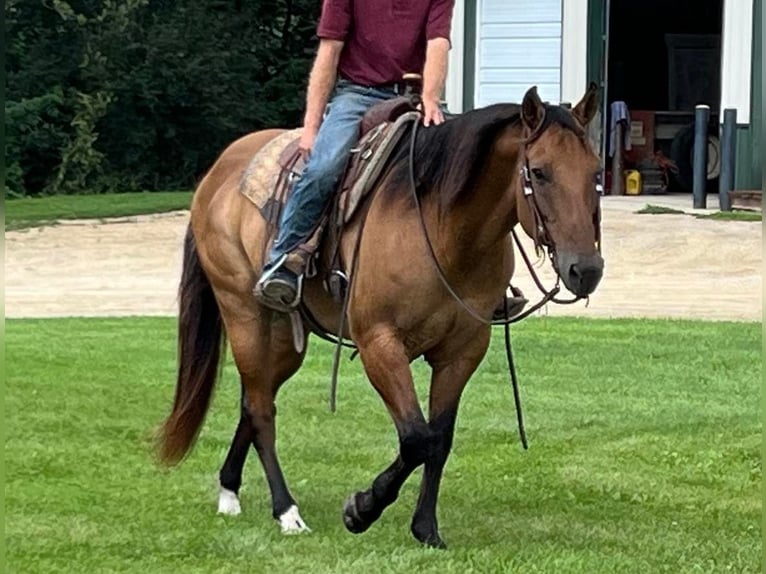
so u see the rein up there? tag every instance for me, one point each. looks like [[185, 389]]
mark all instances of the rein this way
[[543, 241], [541, 237]]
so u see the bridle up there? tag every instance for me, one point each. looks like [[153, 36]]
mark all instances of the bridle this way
[[542, 238], [543, 242]]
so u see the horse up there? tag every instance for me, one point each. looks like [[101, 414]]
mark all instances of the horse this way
[[432, 257]]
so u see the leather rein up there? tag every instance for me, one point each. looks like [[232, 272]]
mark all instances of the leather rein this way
[[540, 235], [543, 242]]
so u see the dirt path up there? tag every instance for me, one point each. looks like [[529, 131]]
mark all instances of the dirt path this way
[[656, 266]]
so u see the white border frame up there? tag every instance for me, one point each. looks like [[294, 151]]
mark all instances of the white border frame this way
[[476, 52], [453, 90], [574, 50], [737, 58]]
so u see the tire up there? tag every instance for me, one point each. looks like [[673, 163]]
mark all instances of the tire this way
[[682, 153]]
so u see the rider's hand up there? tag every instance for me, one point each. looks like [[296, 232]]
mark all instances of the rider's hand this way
[[306, 143], [432, 112]]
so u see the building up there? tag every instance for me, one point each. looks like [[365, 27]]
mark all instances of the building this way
[[660, 56]]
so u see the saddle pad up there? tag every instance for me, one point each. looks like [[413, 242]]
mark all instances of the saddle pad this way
[[260, 178], [264, 181]]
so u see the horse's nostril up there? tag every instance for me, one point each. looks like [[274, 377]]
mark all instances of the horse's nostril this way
[[574, 271]]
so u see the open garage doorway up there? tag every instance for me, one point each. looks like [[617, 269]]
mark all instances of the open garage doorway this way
[[663, 59]]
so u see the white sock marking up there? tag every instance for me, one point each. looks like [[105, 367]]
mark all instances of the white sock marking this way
[[228, 502], [291, 522]]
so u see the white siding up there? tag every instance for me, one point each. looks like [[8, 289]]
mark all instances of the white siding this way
[[736, 58], [518, 45]]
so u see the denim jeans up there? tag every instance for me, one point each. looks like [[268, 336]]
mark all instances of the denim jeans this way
[[338, 134]]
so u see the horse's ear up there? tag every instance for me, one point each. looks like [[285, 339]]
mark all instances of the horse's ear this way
[[587, 107], [532, 110]]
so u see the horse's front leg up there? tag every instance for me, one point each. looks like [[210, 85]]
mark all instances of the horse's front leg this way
[[447, 384], [388, 369]]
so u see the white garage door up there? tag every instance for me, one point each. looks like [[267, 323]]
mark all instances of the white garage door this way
[[518, 45]]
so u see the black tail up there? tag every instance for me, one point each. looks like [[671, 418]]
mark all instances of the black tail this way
[[201, 340]]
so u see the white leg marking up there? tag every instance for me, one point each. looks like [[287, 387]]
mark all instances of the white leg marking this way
[[291, 522], [228, 502]]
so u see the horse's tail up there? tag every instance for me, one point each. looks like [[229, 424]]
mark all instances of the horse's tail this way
[[201, 340]]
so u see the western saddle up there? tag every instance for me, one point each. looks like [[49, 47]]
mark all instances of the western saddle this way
[[381, 129]]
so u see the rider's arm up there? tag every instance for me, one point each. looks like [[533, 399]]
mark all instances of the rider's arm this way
[[435, 69], [321, 82], [334, 25]]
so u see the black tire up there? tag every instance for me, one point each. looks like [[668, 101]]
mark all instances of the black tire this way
[[682, 153]]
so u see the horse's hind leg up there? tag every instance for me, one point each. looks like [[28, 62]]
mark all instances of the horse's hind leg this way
[[265, 357], [388, 368], [230, 476]]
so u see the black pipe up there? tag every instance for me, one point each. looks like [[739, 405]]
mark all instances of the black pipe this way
[[701, 120], [728, 158]]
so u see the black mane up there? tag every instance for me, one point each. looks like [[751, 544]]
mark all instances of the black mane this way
[[448, 158]]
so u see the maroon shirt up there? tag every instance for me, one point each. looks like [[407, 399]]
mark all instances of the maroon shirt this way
[[384, 39]]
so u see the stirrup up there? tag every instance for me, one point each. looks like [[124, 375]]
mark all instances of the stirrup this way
[[336, 284], [276, 301], [515, 303]]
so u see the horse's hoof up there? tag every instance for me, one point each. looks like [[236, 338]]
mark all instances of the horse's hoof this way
[[291, 522], [428, 537], [228, 502], [351, 518]]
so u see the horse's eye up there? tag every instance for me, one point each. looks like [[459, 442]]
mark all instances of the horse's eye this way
[[539, 174]]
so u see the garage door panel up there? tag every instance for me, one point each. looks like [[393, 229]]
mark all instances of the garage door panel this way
[[518, 45], [520, 76], [529, 30], [521, 10], [518, 53], [514, 93]]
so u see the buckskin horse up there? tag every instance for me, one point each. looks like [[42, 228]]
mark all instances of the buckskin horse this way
[[434, 257]]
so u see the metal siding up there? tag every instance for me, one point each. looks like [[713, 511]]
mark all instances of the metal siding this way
[[749, 172], [518, 45]]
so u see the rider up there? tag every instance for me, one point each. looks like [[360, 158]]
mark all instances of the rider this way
[[365, 48]]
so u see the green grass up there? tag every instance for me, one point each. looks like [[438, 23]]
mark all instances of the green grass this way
[[718, 215], [732, 216], [645, 457], [30, 212], [659, 210]]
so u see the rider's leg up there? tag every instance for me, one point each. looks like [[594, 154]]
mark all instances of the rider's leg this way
[[339, 132]]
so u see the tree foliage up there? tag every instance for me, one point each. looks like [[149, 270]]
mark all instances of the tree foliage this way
[[144, 94]]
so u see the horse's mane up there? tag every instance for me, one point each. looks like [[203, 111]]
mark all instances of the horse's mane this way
[[449, 157]]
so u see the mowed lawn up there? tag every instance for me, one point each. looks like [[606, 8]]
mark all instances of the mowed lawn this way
[[645, 457], [35, 211]]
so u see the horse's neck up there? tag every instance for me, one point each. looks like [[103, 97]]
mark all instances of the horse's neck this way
[[484, 218]]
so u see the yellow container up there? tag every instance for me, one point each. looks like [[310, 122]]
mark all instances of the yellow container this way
[[632, 182]]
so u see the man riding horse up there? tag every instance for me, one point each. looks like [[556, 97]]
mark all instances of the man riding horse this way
[[365, 49], [431, 253]]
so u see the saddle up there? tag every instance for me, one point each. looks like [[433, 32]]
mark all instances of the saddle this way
[[270, 176]]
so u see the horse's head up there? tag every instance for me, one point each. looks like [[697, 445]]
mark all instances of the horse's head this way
[[559, 197]]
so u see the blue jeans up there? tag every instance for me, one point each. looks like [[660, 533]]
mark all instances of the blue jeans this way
[[338, 134]]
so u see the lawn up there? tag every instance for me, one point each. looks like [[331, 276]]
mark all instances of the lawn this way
[[716, 215], [29, 212], [645, 457]]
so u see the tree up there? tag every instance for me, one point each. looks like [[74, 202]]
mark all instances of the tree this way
[[143, 94]]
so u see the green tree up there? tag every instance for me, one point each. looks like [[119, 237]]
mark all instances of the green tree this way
[[143, 94]]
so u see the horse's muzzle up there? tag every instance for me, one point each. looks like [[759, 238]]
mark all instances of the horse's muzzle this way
[[581, 273]]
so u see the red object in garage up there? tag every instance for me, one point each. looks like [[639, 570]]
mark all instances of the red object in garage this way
[[641, 136]]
